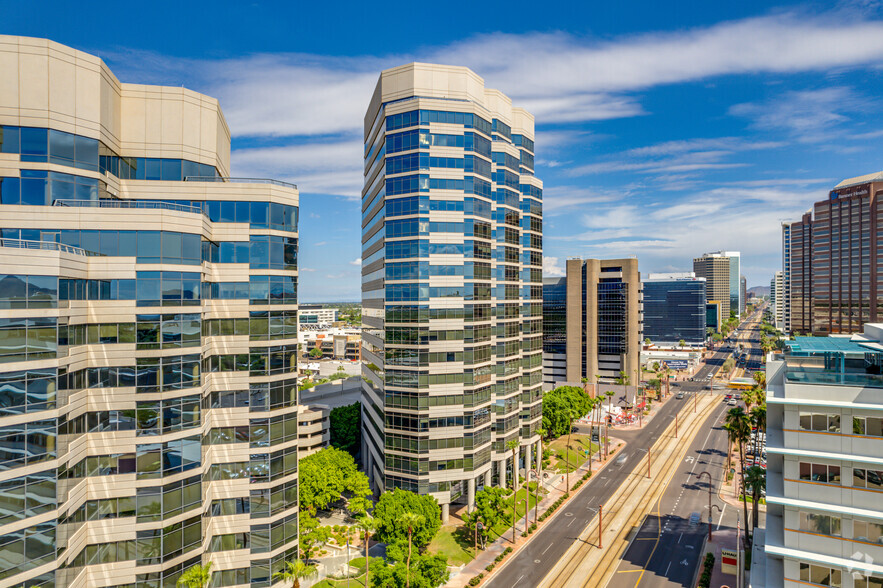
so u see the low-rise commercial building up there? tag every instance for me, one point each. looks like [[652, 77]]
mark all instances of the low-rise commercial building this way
[[825, 462], [334, 343], [316, 314]]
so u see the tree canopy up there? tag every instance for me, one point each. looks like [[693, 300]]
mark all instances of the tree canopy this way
[[391, 507], [326, 475], [427, 571], [490, 508], [346, 427], [561, 405]]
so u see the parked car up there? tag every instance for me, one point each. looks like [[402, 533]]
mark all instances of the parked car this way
[[680, 395]]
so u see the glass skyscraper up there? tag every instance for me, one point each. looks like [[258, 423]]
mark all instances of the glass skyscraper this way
[[148, 335], [451, 285], [674, 308]]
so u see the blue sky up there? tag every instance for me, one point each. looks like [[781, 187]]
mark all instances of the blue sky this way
[[664, 130]]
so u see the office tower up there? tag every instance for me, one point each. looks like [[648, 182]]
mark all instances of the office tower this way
[[603, 319], [846, 289], [824, 472], [777, 300], [715, 268], [674, 309], [713, 315], [451, 285], [798, 283], [743, 293], [554, 330], [148, 353], [785, 300]]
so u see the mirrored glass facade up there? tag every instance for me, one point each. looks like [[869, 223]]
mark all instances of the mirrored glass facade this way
[[148, 337], [674, 310]]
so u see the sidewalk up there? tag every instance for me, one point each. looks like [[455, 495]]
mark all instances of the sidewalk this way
[[556, 488], [724, 538]]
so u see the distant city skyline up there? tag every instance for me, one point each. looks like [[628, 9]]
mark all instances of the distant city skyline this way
[[664, 133]]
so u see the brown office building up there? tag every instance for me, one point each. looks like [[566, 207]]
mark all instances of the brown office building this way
[[844, 257], [835, 268], [603, 318], [797, 270]]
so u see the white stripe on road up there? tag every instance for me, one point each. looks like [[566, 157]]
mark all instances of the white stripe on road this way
[[722, 516], [518, 580], [546, 549], [666, 569]]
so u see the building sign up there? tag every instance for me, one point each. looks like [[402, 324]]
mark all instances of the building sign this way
[[676, 364], [729, 561]]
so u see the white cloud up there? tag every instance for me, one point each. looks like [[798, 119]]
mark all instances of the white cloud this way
[[357, 262], [809, 116], [552, 267], [305, 269], [319, 243]]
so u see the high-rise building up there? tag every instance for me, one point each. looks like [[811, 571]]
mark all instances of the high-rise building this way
[[674, 308], [149, 341], [846, 283], [797, 266], [451, 285], [786, 278], [554, 330], [603, 320], [824, 520], [743, 293], [715, 268], [713, 315], [777, 300]]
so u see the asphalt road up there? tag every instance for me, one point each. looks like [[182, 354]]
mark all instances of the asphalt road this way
[[667, 549]]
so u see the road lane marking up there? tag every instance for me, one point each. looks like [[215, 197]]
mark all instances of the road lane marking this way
[[722, 516], [666, 569], [546, 549], [681, 537], [518, 580]]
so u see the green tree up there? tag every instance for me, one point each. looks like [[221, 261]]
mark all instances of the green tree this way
[[728, 366], [758, 417], [410, 521], [326, 475], [315, 353], [311, 534], [682, 343], [196, 576], [294, 572], [490, 508], [392, 505], [647, 341], [740, 425], [755, 481], [345, 427], [366, 526], [558, 404], [426, 571]]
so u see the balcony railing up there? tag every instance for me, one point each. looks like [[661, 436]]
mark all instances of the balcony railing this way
[[148, 204], [46, 246], [239, 181], [810, 376]]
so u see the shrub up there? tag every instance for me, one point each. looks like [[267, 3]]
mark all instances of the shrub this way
[[489, 567]]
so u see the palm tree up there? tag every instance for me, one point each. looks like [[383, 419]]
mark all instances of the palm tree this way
[[755, 480], [366, 524], [740, 425], [513, 445], [570, 418], [196, 576], [730, 440], [411, 521], [294, 572], [536, 513], [758, 417], [760, 378]]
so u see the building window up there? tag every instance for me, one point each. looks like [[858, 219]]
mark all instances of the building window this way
[[871, 479], [820, 575], [868, 582], [829, 423], [820, 524], [872, 426], [820, 472]]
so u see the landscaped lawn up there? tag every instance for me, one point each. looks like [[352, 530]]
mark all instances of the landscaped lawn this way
[[446, 543], [574, 454]]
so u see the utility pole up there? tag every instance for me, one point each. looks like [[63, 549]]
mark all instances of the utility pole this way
[[600, 524], [648, 462], [709, 501]]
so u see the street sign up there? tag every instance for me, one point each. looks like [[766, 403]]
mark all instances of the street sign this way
[[729, 561], [676, 364]]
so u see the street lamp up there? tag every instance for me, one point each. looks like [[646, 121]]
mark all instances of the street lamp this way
[[536, 496], [699, 475]]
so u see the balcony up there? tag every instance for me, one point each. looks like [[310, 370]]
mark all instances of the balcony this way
[[240, 181], [146, 204], [46, 246]]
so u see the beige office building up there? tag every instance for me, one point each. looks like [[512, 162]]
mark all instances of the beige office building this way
[[603, 329], [451, 285], [715, 268], [148, 335]]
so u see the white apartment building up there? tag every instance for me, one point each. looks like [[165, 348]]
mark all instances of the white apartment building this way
[[825, 462]]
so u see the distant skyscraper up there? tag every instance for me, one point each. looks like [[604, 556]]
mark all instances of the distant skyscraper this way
[[148, 335], [554, 330], [797, 253], [715, 268], [743, 294], [451, 286], [786, 278], [674, 308], [777, 299]]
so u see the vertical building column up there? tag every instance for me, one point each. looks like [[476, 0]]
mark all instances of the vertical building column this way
[[515, 467], [446, 512], [527, 462], [470, 495], [540, 453], [502, 465], [489, 476]]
